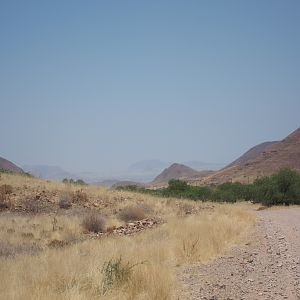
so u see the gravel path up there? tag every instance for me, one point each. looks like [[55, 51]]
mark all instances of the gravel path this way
[[267, 267]]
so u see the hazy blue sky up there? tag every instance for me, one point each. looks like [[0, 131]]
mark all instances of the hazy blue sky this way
[[97, 85]]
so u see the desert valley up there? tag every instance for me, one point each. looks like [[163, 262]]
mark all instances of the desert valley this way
[[68, 240], [150, 150]]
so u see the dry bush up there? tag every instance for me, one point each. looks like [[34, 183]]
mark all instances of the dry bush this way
[[80, 197], [94, 223], [5, 203], [33, 205], [6, 189], [65, 200], [132, 213]]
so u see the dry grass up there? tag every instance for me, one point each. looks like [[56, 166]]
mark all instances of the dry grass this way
[[76, 271], [10, 250], [202, 238]]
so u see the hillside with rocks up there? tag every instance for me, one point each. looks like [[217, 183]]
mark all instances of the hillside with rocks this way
[[262, 160], [251, 154]]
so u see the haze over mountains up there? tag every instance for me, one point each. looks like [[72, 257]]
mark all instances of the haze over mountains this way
[[141, 171], [262, 159]]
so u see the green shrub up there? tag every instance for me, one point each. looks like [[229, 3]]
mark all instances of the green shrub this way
[[282, 188], [72, 181], [116, 273], [177, 186]]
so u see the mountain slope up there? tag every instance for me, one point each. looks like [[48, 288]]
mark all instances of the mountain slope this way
[[275, 156], [9, 166], [251, 154]]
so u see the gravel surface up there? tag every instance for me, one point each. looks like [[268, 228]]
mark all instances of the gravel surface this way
[[266, 267]]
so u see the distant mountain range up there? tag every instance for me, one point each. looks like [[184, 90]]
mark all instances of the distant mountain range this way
[[148, 166], [48, 172], [152, 166], [142, 171], [58, 173], [263, 159]]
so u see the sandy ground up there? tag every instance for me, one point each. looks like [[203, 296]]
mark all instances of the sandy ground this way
[[266, 267]]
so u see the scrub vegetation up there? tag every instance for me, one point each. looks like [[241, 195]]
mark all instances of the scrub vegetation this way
[[282, 188], [71, 248]]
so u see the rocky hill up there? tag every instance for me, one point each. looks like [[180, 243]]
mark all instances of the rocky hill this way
[[9, 166], [261, 160], [178, 171]]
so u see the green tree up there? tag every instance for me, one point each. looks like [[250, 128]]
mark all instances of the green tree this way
[[176, 185], [288, 182]]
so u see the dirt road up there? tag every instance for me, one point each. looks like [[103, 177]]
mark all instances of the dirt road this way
[[267, 267]]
